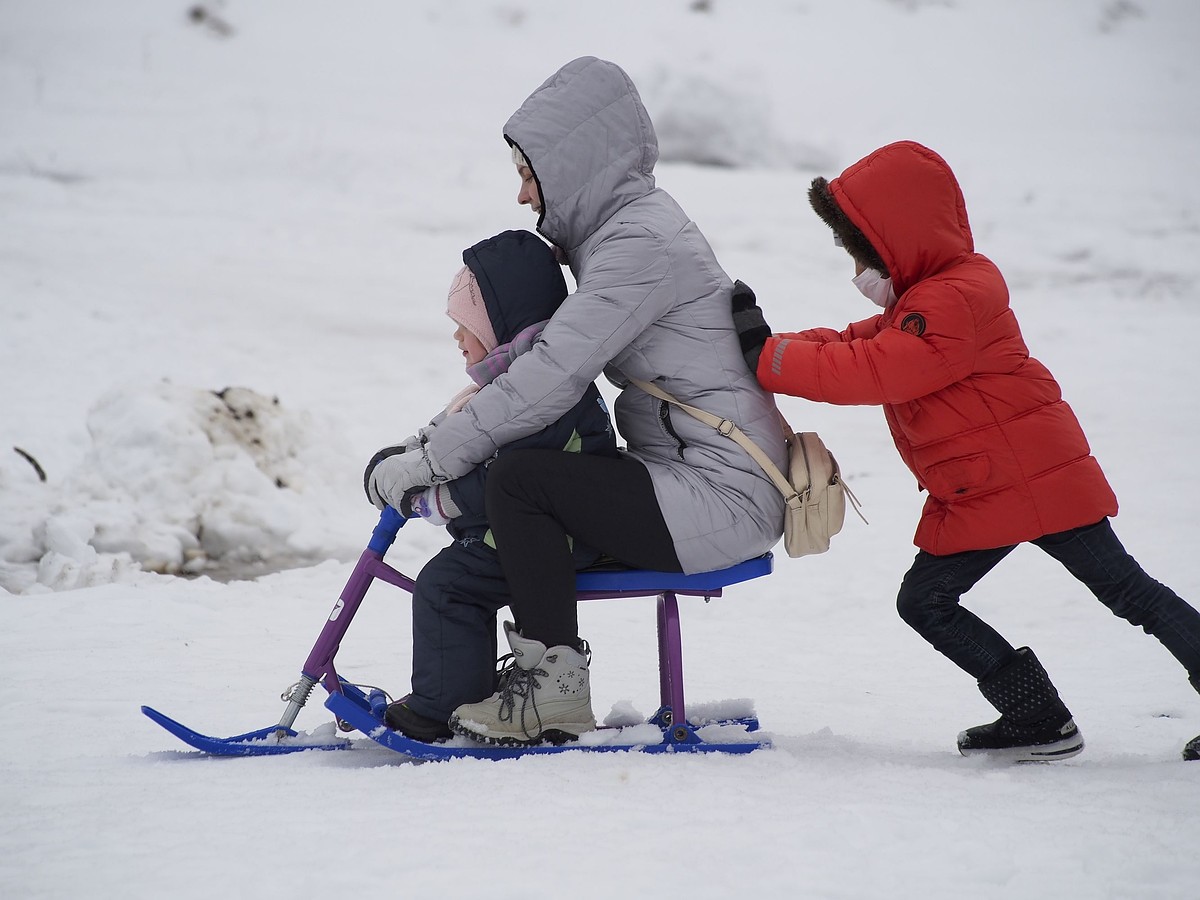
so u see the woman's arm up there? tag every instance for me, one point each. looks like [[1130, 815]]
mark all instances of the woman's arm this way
[[626, 288]]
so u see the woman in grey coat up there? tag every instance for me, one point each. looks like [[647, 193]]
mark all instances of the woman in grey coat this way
[[653, 304]]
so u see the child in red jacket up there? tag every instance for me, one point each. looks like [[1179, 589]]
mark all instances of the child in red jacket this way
[[981, 424]]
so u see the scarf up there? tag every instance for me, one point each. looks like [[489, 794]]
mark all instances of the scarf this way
[[496, 364]]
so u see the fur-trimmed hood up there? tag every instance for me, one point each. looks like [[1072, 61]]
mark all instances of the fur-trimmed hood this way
[[853, 240], [900, 211]]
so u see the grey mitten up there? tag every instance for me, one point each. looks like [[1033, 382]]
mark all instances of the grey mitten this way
[[395, 475], [412, 442]]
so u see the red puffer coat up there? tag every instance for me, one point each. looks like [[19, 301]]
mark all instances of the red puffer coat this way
[[980, 422]]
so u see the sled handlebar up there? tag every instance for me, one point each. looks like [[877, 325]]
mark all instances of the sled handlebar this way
[[390, 522]]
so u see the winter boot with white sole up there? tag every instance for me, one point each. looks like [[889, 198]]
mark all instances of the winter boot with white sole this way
[[1034, 724], [1191, 750], [544, 695]]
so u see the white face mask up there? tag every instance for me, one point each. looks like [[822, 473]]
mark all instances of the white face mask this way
[[872, 285]]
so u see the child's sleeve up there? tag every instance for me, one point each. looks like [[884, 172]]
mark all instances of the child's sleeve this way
[[927, 345], [856, 330], [467, 492]]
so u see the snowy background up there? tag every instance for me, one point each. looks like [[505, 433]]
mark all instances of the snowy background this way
[[225, 242]]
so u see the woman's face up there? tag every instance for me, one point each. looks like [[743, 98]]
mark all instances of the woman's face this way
[[529, 194], [472, 350]]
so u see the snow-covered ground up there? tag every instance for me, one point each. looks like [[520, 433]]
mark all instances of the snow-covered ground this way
[[271, 198]]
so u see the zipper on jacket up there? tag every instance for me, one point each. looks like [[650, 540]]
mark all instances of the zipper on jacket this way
[[664, 421]]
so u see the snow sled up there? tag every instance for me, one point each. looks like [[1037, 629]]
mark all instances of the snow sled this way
[[710, 727]]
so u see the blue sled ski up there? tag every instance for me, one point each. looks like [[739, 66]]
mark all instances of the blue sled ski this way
[[365, 713], [264, 742]]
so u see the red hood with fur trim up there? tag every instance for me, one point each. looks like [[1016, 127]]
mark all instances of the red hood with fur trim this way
[[907, 203]]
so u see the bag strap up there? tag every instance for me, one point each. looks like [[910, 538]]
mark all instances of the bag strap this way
[[730, 430]]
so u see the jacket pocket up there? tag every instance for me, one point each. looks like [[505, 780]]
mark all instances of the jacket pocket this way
[[958, 478]]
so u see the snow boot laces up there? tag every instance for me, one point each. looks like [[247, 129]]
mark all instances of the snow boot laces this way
[[544, 695]]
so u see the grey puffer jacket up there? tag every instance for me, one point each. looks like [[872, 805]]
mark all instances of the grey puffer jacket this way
[[652, 303]]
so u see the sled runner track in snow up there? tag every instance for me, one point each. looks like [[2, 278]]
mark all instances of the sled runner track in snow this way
[[668, 730]]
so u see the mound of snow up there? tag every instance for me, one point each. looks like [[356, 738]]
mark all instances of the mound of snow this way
[[177, 480]]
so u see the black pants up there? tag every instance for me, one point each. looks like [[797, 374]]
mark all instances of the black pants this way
[[538, 501], [454, 606], [929, 598]]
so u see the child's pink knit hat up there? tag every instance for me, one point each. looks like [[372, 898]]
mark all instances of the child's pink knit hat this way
[[466, 307]]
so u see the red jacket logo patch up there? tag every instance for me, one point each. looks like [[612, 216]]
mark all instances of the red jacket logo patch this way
[[913, 324]]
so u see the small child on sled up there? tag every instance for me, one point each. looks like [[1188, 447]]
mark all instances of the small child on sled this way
[[500, 300]]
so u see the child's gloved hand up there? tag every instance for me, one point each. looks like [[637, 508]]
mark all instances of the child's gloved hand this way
[[433, 504], [752, 329]]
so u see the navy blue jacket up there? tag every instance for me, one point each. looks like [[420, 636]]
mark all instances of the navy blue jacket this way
[[522, 284]]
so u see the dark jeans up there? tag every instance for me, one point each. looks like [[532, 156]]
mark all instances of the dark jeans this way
[[929, 598], [536, 498]]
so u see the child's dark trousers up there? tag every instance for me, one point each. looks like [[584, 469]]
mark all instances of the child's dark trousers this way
[[929, 598]]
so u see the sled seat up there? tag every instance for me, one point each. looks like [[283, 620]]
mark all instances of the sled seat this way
[[608, 583]]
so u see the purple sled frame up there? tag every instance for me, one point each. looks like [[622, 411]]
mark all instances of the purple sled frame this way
[[364, 712]]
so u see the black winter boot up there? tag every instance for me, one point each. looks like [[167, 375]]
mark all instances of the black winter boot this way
[[1191, 750], [399, 717], [1034, 724]]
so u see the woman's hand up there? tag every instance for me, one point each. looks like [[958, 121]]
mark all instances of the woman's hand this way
[[409, 443], [395, 474]]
